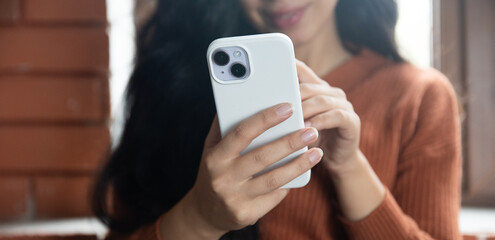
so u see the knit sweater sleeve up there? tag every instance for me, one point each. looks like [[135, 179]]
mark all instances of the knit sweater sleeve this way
[[424, 201], [148, 232], [145, 232]]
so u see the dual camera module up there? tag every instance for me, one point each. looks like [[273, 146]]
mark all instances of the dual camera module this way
[[222, 58], [230, 63]]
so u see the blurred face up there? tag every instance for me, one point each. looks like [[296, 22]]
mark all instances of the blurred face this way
[[301, 20]]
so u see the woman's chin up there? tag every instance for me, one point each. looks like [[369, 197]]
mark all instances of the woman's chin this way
[[298, 37]]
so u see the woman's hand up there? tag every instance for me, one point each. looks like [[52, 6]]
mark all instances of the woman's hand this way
[[327, 109], [225, 196]]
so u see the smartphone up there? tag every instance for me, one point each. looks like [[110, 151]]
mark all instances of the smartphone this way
[[249, 74]]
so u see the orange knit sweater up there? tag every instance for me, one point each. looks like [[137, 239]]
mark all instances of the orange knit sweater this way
[[411, 137]]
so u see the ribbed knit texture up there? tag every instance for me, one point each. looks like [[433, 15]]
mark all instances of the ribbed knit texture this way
[[149, 232], [411, 137]]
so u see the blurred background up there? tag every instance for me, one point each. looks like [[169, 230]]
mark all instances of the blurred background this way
[[64, 66]]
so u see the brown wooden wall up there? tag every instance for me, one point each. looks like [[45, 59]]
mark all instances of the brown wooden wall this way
[[464, 50]]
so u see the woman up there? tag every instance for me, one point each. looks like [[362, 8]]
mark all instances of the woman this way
[[388, 131]]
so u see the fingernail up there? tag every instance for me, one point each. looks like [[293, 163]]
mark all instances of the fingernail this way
[[315, 155], [307, 124], [284, 110], [309, 135]]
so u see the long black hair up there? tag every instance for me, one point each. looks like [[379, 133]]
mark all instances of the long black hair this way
[[170, 106]]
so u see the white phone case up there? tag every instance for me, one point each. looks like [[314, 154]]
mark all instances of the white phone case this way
[[272, 80]]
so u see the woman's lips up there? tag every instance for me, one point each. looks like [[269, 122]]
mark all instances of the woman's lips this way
[[288, 18]]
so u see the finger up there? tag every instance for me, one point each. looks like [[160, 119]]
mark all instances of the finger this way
[[309, 90], [245, 132], [264, 156], [278, 177], [322, 103], [347, 122], [214, 136], [306, 74], [312, 89]]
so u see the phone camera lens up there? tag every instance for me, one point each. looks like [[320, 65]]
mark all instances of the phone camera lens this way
[[221, 58], [238, 70]]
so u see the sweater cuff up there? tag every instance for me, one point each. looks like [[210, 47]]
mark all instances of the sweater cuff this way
[[158, 222], [387, 221]]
